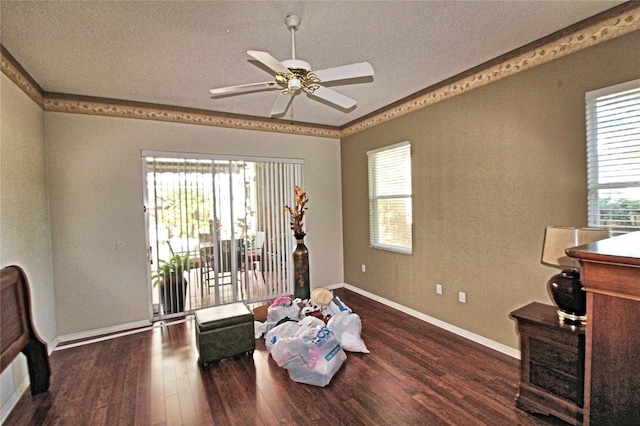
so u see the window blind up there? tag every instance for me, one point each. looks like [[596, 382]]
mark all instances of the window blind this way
[[390, 211], [613, 157]]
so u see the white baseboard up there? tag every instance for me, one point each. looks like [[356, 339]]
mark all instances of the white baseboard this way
[[507, 350], [135, 327], [105, 332], [13, 399]]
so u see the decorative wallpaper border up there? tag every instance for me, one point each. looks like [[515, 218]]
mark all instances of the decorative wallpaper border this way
[[624, 22], [93, 106], [20, 78]]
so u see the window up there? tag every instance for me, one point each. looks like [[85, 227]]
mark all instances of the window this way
[[390, 215], [613, 157]]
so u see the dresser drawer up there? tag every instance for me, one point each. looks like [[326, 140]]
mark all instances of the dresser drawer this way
[[555, 382], [557, 358], [557, 336]]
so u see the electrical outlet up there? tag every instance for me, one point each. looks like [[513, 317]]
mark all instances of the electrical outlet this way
[[462, 297], [438, 288], [364, 268]]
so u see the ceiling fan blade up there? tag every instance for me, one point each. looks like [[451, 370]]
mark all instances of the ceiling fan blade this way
[[361, 69], [269, 61], [281, 105], [334, 97], [232, 90]]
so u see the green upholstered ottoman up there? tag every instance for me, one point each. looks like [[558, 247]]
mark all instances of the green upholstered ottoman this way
[[224, 331]]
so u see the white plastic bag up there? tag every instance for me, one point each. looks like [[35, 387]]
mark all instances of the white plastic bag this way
[[283, 308], [285, 329], [310, 322], [260, 328], [312, 356], [336, 306], [347, 328]]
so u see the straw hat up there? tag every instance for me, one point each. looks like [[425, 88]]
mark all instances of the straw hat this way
[[321, 296]]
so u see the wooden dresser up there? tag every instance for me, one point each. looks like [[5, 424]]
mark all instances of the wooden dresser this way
[[611, 277]]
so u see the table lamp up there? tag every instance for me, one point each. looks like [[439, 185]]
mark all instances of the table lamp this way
[[565, 288]]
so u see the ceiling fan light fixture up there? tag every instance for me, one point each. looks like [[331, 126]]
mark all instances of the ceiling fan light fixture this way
[[294, 84]]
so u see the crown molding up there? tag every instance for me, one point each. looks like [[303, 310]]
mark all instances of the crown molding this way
[[20, 77], [611, 24], [116, 108]]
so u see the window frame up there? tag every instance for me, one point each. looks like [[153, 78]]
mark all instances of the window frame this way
[[596, 161], [375, 197]]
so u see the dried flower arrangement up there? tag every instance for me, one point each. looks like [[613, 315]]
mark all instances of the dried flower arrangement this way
[[297, 212]]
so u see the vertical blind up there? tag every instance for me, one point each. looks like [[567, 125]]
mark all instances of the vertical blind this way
[[613, 157], [275, 184], [390, 214]]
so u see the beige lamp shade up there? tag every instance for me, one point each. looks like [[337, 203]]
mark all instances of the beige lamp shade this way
[[559, 238]]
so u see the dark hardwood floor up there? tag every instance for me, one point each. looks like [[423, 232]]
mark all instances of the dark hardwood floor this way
[[416, 374]]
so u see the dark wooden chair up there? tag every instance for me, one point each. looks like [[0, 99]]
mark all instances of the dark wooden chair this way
[[253, 256], [210, 269]]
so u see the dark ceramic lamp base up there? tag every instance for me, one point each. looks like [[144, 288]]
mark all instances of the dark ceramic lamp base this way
[[568, 295]]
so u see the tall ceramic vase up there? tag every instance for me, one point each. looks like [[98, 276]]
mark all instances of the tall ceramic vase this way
[[301, 284]]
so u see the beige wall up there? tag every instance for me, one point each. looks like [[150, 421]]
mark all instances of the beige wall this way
[[491, 169], [95, 172], [24, 215]]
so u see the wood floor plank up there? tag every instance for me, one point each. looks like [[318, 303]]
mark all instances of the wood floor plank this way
[[415, 374]]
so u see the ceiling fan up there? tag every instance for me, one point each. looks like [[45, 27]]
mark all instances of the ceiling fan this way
[[294, 75]]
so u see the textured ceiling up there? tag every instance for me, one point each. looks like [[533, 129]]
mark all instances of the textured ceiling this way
[[173, 52]]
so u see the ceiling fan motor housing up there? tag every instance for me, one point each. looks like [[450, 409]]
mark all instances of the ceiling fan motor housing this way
[[300, 70], [296, 64]]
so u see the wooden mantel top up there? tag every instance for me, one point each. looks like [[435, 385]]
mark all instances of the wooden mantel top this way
[[623, 249]]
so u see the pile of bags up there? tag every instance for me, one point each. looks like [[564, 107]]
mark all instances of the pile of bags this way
[[309, 340]]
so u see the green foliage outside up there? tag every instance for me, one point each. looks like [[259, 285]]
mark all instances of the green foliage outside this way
[[185, 210], [172, 269], [623, 214]]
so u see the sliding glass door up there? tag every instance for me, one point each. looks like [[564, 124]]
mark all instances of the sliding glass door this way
[[217, 229]]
